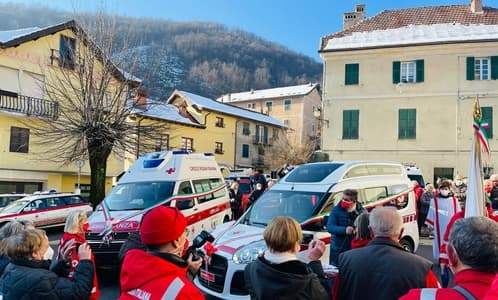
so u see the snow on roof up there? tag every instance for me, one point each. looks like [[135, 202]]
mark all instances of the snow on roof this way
[[296, 90], [167, 112], [210, 104], [414, 34], [9, 35], [128, 76]]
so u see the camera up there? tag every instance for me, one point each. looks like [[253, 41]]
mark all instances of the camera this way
[[197, 243]]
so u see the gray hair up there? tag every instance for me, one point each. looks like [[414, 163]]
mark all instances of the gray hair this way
[[386, 222], [74, 221], [475, 240], [12, 228]]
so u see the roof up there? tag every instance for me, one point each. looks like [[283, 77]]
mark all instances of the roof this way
[[13, 38], [393, 19], [167, 112], [205, 103], [288, 91]]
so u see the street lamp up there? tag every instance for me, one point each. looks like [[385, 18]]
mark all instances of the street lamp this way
[[79, 163]]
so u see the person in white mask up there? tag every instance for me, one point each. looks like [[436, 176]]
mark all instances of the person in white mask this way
[[443, 207]]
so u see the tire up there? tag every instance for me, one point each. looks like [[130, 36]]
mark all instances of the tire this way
[[407, 244]]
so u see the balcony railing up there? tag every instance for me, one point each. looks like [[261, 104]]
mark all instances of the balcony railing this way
[[28, 105], [259, 161]]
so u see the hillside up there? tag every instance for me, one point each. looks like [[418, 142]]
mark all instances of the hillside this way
[[204, 58]]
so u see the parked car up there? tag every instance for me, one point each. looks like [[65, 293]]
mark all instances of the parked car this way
[[307, 194], [44, 209], [6, 199]]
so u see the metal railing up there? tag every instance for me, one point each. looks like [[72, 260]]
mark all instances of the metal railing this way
[[28, 105], [260, 140]]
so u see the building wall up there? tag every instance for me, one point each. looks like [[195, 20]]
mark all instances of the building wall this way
[[23, 69], [443, 104]]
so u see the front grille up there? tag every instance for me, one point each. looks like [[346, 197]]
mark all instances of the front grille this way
[[238, 286], [218, 267], [115, 236], [112, 247]]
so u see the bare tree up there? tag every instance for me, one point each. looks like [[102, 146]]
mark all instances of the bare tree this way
[[287, 150], [96, 117]]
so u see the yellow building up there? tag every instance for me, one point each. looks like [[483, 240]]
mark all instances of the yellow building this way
[[400, 86], [25, 56], [204, 125]]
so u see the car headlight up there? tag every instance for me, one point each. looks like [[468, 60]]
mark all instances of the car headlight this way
[[249, 253]]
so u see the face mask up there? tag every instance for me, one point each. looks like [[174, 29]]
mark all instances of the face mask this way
[[48, 254], [444, 193], [86, 227], [347, 205]]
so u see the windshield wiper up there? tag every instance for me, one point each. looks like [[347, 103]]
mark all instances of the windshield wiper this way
[[258, 223]]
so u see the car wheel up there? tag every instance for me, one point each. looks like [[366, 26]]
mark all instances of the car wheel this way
[[407, 245]]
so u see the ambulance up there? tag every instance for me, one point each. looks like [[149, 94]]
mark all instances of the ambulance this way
[[307, 194], [191, 182]]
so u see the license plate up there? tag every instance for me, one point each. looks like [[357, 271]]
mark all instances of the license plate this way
[[208, 276]]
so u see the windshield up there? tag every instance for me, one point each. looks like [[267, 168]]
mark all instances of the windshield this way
[[14, 207], [138, 195], [295, 204]]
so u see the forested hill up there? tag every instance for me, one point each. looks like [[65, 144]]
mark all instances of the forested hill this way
[[205, 58]]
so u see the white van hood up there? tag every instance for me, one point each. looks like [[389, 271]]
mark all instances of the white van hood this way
[[97, 221]]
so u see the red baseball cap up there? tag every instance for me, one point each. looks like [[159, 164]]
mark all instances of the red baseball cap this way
[[162, 225]]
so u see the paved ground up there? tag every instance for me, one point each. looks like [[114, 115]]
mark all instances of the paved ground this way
[[109, 282]]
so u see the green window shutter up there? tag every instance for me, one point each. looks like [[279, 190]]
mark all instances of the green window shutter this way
[[352, 74], [407, 124], [470, 68], [420, 70], [350, 122], [487, 117], [396, 72], [494, 67]]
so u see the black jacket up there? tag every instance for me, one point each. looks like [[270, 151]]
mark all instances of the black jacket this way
[[29, 279], [494, 197], [382, 270], [235, 199], [4, 261], [133, 242], [291, 280], [339, 220], [255, 196]]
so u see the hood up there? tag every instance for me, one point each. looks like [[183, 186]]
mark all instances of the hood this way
[[97, 221], [269, 283], [238, 236], [149, 267]]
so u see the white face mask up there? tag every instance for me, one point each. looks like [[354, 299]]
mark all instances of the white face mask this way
[[48, 254], [444, 193]]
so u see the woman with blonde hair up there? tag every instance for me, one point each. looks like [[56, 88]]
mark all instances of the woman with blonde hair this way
[[74, 235], [278, 273], [28, 275]]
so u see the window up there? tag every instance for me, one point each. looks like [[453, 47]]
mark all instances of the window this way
[[257, 137], [251, 105], [350, 121], [73, 200], [408, 73], [482, 68], [188, 143], [407, 124], [352, 74], [203, 186], [38, 204], [55, 202], [286, 123], [287, 104], [183, 204], [275, 134], [84, 191], [67, 49], [245, 151], [19, 139], [487, 117], [162, 144], [220, 122], [219, 148], [443, 173], [265, 135], [245, 128], [269, 106], [312, 173], [374, 194], [185, 188]]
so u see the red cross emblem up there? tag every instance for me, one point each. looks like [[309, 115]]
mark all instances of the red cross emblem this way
[[170, 171]]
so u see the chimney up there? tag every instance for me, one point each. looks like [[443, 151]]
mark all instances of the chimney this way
[[353, 18], [141, 98], [476, 6]]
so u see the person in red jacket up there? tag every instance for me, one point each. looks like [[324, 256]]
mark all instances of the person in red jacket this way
[[74, 236], [160, 272], [362, 234], [493, 291], [472, 257]]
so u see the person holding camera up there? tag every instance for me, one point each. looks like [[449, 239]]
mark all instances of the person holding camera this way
[[160, 272]]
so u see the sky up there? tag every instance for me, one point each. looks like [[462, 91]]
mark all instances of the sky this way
[[298, 25]]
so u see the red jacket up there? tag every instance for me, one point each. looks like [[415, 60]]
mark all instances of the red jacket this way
[[147, 276], [74, 258], [477, 283], [359, 243], [493, 291]]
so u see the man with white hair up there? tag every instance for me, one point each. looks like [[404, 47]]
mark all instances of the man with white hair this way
[[382, 270]]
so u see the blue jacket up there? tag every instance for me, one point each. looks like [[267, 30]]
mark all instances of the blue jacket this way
[[339, 219]]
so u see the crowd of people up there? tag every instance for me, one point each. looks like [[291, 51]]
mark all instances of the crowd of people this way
[[365, 248]]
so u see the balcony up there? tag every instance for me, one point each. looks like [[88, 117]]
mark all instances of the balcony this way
[[30, 106], [260, 140]]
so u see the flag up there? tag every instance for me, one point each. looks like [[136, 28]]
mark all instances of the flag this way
[[476, 198]]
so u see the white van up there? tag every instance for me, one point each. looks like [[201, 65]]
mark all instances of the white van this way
[[192, 182], [307, 194]]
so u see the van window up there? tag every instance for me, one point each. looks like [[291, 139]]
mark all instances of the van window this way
[[203, 186], [370, 170], [183, 204], [312, 172], [331, 202], [216, 183], [185, 188], [397, 189], [374, 194]]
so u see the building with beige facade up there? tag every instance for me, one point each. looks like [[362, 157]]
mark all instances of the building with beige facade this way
[[400, 86], [293, 105]]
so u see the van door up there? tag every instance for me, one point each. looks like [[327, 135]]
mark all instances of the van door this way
[[187, 205]]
